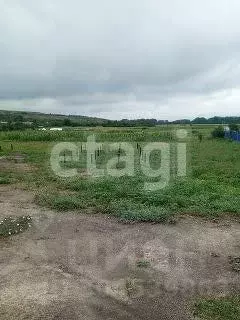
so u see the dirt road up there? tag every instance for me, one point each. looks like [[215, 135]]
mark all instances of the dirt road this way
[[81, 266]]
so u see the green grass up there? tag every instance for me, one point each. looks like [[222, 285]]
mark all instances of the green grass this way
[[211, 187], [5, 180], [102, 134], [218, 309], [143, 264]]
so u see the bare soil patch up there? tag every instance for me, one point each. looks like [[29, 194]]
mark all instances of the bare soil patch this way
[[15, 163], [81, 266]]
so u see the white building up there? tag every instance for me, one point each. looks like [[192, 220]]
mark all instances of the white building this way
[[56, 129]]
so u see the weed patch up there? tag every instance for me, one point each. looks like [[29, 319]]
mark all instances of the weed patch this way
[[218, 309], [12, 226]]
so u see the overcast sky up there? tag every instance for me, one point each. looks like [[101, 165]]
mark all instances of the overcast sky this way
[[121, 59]]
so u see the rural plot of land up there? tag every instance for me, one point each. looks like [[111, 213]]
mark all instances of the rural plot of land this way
[[88, 261]]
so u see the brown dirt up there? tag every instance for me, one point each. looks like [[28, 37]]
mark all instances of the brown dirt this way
[[77, 266], [15, 164]]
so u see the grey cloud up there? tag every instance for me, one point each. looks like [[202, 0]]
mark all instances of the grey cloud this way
[[118, 59]]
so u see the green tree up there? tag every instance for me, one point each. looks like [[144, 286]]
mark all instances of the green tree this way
[[218, 132], [234, 127]]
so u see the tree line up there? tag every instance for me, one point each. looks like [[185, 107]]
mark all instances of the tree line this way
[[16, 120]]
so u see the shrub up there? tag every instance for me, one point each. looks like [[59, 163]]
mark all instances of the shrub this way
[[218, 132], [234, 127]]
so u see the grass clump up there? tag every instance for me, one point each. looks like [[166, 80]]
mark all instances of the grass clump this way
[[218, 309], [143, 264], [128, 210], [12, 226], [62, 202], [124, 209], [4, 180]]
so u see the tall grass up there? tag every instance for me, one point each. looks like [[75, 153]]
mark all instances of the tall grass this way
[[81, 135]]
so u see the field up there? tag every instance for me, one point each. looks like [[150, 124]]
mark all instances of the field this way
[[211, 186], [206, 195]]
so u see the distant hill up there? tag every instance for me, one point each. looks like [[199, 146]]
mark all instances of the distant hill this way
[[6, 115], [13, 120], [38, 119]]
